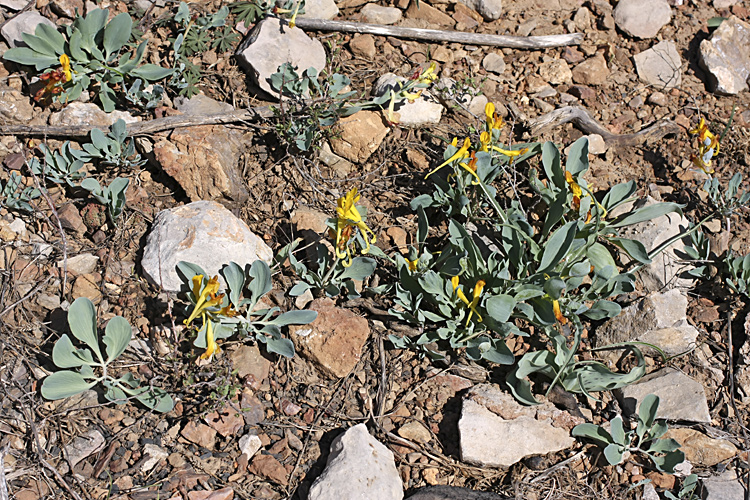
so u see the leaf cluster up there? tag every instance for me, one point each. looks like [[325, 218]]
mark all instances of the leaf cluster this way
[[264, 324], [97, 53], [645, 439], [15, 196], [83, 326]]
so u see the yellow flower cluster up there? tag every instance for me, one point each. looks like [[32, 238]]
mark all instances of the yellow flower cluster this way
[[348, 217], [472, 306], [206, 301], [707, 149]]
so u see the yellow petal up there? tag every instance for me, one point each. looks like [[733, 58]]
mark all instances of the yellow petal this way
[[461, 153]]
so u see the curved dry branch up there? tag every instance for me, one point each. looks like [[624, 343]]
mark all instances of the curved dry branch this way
[[583, 120]]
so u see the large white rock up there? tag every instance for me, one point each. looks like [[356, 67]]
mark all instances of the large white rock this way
[[642, 18], [425, 110], [726, 57], [25, 22], [204, 233], [320, 9], [496, 431], [660, 66], [378, 14], [359, 467], [680, 397], [272, 43], [490, 10]]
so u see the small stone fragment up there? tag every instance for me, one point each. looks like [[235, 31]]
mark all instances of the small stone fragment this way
[[155, 455], [427, 12], [15, 108], [490, 10], [363, 46], [361, 134], [226, 421], [76, 113], [415, 431], [725, 486], [200, 434], [320, 9], [555, 72], [249, 362], [378, 14], [424, 110], [660, 66], [358, 466], [494, 63], [80, 264], [84, 446], [270, 468], [250, 444], [700, 449], [592, 71], [642, 18], [87, 285]]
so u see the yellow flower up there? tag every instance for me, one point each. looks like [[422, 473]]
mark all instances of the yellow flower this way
[[65, 62], [472, 306], [211, 346], [558, 313], [708, 148], [412, 264], [428, 76], [349, 217], [492, 120], [461, 154], [205, 299]]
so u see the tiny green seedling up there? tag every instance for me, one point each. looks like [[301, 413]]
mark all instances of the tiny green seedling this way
[[646, 438], [66, 383]]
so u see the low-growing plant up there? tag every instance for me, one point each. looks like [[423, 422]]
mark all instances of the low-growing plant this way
[[687, 489], [114, 149], [91, 54], [254, 10], [17, 196], [111, 196], [83, 326], [645, 439], [544, 274], [222, 313], [336, 270]]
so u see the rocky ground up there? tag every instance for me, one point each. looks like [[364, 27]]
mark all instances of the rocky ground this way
[[251, 424]]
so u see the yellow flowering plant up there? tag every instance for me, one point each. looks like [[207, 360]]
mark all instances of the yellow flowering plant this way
[[228, 313]]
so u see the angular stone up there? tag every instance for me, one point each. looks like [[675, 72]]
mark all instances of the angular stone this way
[[203, 233], [427, 12], [200, 434], [680, 397], [270, 468], [84, 446], [226, 421], [415, 431], [250, 444], [555, 72], [642, 18], [78, 113], [87, 285], [490, 10], [700, 449], [222, 494], [204, 160], [494, 63], [80, 264], [659, 319], [377, 14], [25, 22], [201, 104], [359, 466], [592, 71], [725, 486], [497, 431], [361, 134], [726, 57], [15, 108], [14, 4], [272, 43], [249, 362], [660, 66], [155, 455], [71, 219], [363, 46], [334, 341], [320, 9]]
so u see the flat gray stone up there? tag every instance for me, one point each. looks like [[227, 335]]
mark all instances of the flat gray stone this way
[[490, 10], [83, 263], [726, 486], [204, 233], [84, 446], [154, 454], [377, 14], [359, 466], [726, 57], [494, 63], [272, 43], [425, 110], [201, 104], [76, 113], [680, 397], [659, 319], [13, 4], [642, 18], [26, 22], [320, 9], [660, 66], [496, 431]]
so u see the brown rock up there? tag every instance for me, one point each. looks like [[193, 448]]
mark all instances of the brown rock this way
[[417, 160], [361, 135], [87, 285], [582, 92], [15, 108], [363, 46], [334, 341], [555, 72], [269, 468], [200, 434], [426, 12], [227, 421], [398, 236], [415, 431], [249, 362], [592, 71], [222, 494], [700, 449], [306, 219], [204, 161], [71, 219], [67, 8], [572, 55], [252, 409]]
